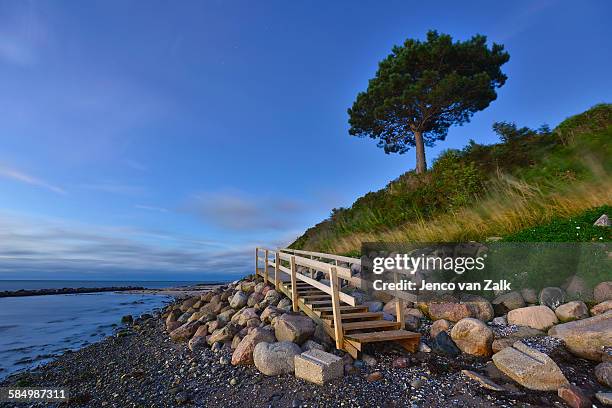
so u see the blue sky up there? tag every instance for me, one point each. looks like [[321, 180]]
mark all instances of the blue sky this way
[[165, 140]]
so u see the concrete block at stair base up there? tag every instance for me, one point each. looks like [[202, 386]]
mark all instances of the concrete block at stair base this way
[[318, 367]]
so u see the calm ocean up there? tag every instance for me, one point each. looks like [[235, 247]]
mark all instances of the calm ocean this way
[[35, 329]]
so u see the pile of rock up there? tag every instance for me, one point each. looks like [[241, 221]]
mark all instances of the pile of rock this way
[[251, 318], [518, 330]]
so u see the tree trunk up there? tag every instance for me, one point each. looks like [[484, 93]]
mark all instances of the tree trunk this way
[[421, 164]]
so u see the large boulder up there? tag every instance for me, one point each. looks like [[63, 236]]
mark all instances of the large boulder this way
[[575, 310], [443, 344], [270, 313], [552, 297], [225, 316], [272, 297], [529, 295], [247, 286], [603, 292], [439, 326], [285, 304], [603, 221], [185, 332], [207, 296], [295, 328], [473, 337], [530, 368], [197, 343], [244, 315], [227, 294], [243, 354], [184, 317], [173, 315], [186, 305], [239, 300], [312, 345], [537, 317], [225, 334], [171, 326], [202, 331], [255, 298], [481, 307], [574, 396], [275, 358], [603, 373], [586, 338], [506, 302], [196, 316], [321, 336], [602, 307], [452, 312]]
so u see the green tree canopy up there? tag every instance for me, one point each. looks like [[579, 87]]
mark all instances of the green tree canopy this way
[[424, 87]]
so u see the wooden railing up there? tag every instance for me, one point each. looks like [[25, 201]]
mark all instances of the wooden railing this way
[[321, 255], [276, 262]]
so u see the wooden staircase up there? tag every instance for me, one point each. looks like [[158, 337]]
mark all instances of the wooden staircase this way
[[358, 325]]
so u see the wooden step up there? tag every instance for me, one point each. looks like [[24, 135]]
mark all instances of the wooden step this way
[[370, 324], [322, 296], [408, 340], [356, 316], [328, 311], [389, 335], [311, 291], [318, 302]]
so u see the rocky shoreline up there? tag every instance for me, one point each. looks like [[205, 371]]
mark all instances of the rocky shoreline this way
[[65, 291], [177, 292], [148, 363]]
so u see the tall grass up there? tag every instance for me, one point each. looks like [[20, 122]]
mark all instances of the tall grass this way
[[513, 206]]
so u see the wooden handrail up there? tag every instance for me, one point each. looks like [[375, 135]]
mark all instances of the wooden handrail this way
[[340, 258], [348, 299], [343, 273]]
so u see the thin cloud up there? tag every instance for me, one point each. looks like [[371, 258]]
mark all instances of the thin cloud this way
[[20, 176], [58, 246], [150, 208], [242, 212], [115, 188]]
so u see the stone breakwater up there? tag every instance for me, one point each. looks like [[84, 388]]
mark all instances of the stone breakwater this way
[[185, 356], [65, 291]]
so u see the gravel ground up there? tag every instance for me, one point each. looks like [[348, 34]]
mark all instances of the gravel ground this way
[[141, 367]]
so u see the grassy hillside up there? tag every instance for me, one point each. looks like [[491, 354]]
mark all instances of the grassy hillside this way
[[531, 178]]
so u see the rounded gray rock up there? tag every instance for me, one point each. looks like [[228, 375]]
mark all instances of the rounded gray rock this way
[[276, 358]]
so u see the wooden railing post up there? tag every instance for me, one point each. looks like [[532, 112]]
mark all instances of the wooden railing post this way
[[294, 292], [266, 266], [399, 306], [256, 259], [333, 275], [277, 270]]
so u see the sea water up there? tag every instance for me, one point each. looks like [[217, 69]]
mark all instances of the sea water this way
[[35, 329]]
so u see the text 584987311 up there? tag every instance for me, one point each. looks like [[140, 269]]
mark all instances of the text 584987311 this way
[[15, 394]]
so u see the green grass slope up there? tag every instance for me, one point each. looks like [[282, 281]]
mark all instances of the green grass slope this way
[[530, 178]]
